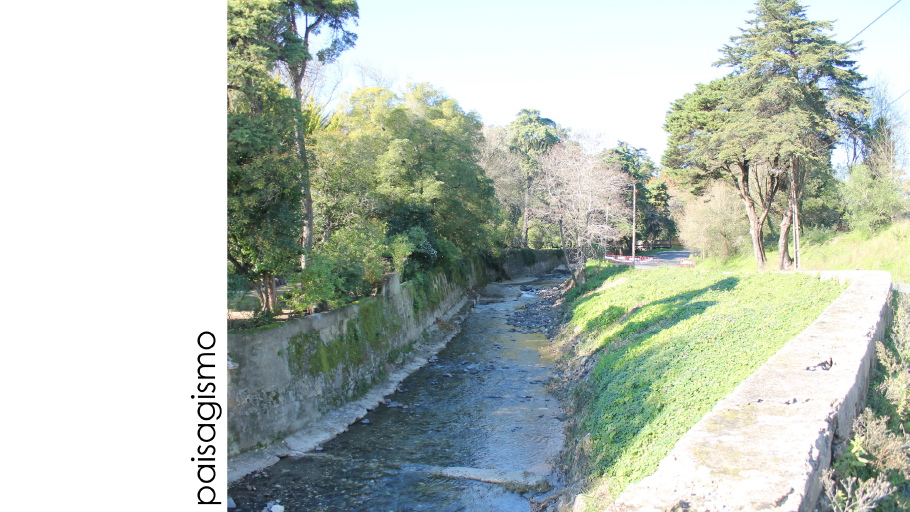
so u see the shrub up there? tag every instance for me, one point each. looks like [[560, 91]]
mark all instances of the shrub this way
[[872, 201], [875, 471], [316, 284], [715, 223]]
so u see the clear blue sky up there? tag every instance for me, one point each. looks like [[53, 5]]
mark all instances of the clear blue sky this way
[[609, 67]]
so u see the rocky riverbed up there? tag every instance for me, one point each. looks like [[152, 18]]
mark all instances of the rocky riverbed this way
[[475, 429]]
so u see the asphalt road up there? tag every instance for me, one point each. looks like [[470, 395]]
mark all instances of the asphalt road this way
[[671, 255], [667, 258]]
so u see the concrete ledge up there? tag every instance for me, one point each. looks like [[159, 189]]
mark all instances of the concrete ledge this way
[[764, 446]]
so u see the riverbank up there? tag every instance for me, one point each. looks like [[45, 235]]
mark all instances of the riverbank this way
[[644, 357]]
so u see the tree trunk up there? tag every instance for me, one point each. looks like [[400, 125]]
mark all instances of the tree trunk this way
[[261, 293], [524, 224], [265, 298], [755, 232], [784, 262], [755, 221], [565, 253], [273, 293], [583, 260]]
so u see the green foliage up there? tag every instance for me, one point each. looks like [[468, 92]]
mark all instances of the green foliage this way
[[349, 266], [237, 285], [715, 224], [653, 214], [264, 219], [401, 247], [409, 216], [871, 200], [312, 286], [823, 202], [531, 136], [424, 151], [668, 344]]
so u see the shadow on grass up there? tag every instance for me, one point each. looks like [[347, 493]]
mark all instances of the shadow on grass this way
[[623, 404]]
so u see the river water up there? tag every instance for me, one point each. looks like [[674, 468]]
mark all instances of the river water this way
[[480, 404]]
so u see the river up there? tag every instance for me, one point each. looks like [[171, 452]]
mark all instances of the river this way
[[480, 403]]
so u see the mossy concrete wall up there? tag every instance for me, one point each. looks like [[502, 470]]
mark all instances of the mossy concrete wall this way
[[765, 446], [291, 375]]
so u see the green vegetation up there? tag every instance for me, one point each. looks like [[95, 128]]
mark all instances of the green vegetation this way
[[768, 130], [668, 344], [826, 250], [876, 468]]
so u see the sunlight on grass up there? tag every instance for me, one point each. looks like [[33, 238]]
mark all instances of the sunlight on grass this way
[[669, 344], [888, 250]]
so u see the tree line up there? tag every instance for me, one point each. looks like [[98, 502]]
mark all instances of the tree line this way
[[403, 181]]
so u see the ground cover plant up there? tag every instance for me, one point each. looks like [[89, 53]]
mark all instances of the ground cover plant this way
[[875, 470], [662, 347]]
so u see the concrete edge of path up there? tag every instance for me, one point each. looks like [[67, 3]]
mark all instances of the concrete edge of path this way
[[338, 420], [765, 445]]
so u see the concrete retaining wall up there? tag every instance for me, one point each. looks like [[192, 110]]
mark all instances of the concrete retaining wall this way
[[764, 446], [527, 262], [291, 375]]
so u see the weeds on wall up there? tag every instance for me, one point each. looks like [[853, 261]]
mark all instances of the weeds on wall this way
[[874, 472]]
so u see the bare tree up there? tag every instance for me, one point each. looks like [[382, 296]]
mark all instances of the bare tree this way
[[322, 81], [585, 196], [372, 74], [886, 151]]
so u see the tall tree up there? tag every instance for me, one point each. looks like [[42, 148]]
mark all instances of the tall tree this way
[[424, 152], [263, 190], [652, 199], [531, 136], [502, 166], [777, 116], [800, 89], [709, 140], [301, 21]]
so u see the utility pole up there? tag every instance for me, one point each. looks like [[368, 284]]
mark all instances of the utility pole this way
[[634, 211]]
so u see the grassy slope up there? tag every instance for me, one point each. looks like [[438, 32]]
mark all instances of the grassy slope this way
[[670, 343], [887, 250]]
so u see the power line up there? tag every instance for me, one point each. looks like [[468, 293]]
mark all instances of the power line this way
[[873, 21], [899, 97]]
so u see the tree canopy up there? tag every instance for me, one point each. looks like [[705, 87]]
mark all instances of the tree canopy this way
[[778, 114], [530, 136]]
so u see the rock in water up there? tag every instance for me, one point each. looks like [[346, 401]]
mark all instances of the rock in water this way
[[515, 481]]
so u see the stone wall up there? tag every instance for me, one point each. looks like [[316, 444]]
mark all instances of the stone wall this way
[[764, 446], [292, 374]]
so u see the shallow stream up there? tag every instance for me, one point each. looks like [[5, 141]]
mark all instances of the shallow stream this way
[[480, 404]]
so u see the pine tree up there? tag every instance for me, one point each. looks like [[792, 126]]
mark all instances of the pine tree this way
[[791, 93]]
